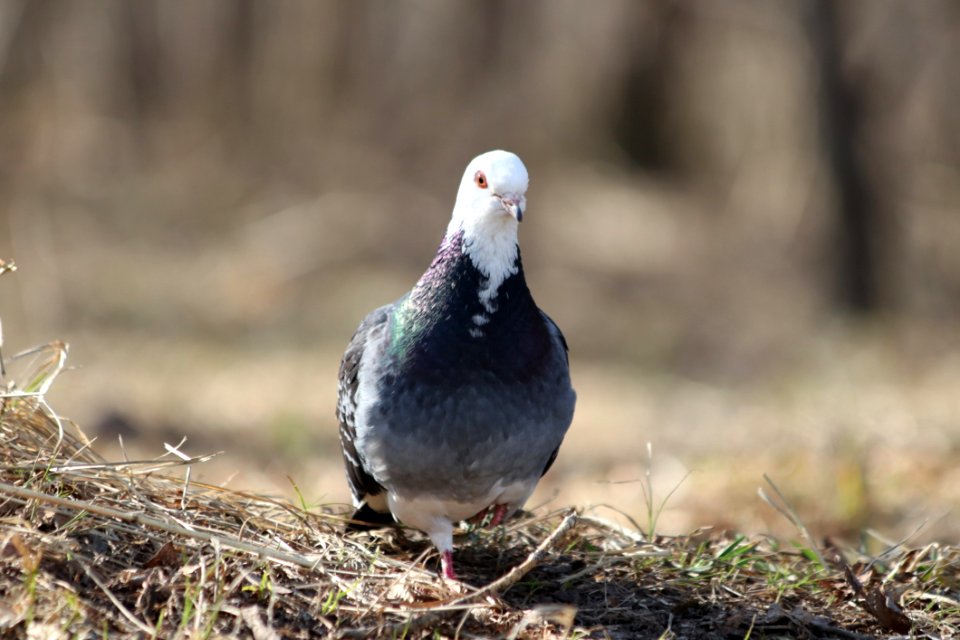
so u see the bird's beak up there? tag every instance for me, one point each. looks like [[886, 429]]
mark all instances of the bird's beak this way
[[514, 206]]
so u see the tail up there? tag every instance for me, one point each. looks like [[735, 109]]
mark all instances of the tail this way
[[366, 518]]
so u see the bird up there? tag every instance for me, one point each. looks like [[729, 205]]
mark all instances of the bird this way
[[454, 399]]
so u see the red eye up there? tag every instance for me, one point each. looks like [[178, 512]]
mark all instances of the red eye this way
[[480, 180]]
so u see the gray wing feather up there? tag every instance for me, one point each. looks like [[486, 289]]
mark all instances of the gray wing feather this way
[[362, 484], [557, 335], [562, 342]]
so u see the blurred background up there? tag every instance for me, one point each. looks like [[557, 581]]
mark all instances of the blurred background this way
[[743, 215]]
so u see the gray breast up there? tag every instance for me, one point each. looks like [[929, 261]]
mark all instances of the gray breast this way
[[458, 435]]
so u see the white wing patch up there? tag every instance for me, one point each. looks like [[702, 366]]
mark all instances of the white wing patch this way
[[368, 395]]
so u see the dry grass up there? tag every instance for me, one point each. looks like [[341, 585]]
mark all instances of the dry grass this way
[[136, 548]]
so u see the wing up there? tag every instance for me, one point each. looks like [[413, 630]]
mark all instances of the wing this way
[[362, 484], [557, 335], [553, 456], [562, 342]]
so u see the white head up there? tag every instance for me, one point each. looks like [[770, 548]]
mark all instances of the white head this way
[[490, 205], [493, 189]]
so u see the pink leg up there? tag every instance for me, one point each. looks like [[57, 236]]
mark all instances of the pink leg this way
[[478, 519], [446, 565], [499, 513]]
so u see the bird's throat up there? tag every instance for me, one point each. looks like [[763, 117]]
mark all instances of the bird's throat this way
[[491, 245], [455, 300]]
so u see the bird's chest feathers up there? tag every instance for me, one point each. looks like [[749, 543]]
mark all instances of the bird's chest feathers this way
[[458, 318]]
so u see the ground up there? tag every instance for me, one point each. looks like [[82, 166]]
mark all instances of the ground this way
[[91, 547]]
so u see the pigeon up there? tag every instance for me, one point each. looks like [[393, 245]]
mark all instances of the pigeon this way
[[453, 400]]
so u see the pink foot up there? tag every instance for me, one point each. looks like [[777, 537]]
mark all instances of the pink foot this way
[[478, 519], [499, 513], [446, 565]]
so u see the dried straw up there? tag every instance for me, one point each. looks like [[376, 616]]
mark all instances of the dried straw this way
[[135, 547]]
